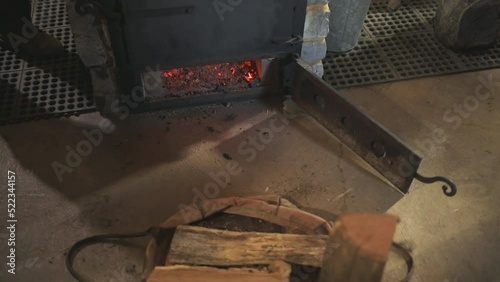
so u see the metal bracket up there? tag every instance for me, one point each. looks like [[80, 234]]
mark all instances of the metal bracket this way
[[367, 138], [84, 7]]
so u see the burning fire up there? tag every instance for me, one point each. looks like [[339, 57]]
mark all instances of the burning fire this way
[[239, 74], [250, 73]]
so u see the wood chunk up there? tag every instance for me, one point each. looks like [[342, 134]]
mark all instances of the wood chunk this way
[[358, 248], [278, 272], [202, 246]]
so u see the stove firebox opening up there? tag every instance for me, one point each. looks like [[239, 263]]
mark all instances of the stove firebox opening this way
[[211, 78], [232, 79]]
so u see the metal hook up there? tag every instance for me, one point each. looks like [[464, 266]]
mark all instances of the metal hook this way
[[450, 190]]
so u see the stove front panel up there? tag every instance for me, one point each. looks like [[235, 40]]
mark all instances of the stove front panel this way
[[178, 33]]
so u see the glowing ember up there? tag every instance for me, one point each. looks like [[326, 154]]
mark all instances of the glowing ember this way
[[249, 77], [209, 78]]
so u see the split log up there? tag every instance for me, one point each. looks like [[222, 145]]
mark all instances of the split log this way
[[202, 246], [358, 248], [463, 25], [278, 272]]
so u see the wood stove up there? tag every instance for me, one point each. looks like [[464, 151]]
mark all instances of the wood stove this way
[[171, 53], [155, 45]]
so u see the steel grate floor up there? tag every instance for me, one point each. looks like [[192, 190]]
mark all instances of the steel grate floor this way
[[401, 45], [36, 89]]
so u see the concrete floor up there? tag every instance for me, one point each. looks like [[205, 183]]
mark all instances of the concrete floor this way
[[149, 165]]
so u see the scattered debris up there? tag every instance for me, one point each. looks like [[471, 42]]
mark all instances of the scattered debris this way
[[131, 269], [343, 194], [108, 223], [230, 117], [394, 5], [117, 144]]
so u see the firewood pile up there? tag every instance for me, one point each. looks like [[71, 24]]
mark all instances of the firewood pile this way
[[266, 239]]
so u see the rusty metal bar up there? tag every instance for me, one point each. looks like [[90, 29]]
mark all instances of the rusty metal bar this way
[[368, 139]]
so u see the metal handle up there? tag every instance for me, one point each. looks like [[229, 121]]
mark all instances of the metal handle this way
[[294, 40], [450, 190]]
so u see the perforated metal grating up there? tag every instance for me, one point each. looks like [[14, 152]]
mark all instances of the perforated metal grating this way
[[379, 22], [43, 88], [9, 61], [363, 65], [9, 83], [55, 90], [401, 45], [42, 11], [425, 8]]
